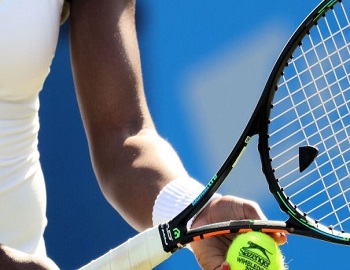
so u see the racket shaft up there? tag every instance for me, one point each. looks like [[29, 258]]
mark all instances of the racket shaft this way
[[144, 251]]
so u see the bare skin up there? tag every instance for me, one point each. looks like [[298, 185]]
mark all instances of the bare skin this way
[[211, 252], [125, 148]]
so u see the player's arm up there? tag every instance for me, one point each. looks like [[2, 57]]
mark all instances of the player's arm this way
[[131, 161]]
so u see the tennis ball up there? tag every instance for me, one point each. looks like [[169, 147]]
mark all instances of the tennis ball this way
[[255, 251]]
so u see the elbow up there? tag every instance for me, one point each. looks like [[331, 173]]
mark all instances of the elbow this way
[[115, 156]]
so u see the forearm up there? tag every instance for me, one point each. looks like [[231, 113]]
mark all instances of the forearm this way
[[131, 161], [132, 172]]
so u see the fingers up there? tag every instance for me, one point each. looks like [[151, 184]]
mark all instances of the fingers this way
[[210, 252], [252, 210], [225, 266], [280, 238]]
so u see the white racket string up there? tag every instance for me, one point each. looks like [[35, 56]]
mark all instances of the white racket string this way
[[311, 108]]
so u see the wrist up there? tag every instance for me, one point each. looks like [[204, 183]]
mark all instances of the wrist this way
[[175, 197]]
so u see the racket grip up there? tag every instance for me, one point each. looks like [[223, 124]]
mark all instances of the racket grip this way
[[144, 251]]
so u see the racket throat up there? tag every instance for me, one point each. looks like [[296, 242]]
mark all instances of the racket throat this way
[[170, 237]]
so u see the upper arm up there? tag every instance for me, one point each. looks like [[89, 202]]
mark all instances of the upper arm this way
[[106, 66], [126, 151]]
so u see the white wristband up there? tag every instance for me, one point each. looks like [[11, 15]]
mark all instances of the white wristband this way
[[175, 197]]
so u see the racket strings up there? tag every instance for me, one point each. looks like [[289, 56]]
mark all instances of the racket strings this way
[[315, 120], [331, 198], [308, 173], [333, 68], [305, 140], [310, 97], [306, 125], [311, 108], [342, 63]]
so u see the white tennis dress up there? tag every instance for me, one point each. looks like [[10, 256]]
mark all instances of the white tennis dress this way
[[28, 37]]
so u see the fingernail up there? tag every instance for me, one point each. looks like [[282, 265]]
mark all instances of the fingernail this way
[[225, 266]]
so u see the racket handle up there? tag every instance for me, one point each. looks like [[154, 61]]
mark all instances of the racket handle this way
[[144, 251]]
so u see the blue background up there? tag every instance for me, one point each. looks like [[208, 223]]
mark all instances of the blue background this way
[[204, 65]]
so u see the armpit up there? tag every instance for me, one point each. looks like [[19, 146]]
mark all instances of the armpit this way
[[65, 12]]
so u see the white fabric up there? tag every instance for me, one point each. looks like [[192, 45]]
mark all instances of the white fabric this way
[[28, 38], [175, 197]]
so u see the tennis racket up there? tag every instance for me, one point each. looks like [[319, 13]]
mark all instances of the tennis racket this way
[[303, 123]]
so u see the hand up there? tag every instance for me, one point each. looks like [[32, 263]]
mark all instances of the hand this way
[[210, 253]]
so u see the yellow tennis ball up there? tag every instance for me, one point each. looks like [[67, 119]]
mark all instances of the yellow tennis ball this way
[[255, 251]]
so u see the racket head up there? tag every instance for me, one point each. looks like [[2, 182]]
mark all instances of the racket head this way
[[305, 125]]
